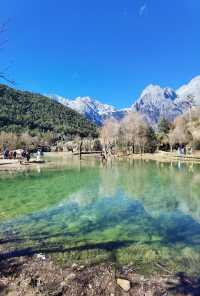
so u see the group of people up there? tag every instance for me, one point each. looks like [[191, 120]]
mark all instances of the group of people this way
[[23, 154], [182, 150], [13, 154], [9, 154]]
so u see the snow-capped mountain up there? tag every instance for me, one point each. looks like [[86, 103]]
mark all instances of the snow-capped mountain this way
[[91, 108], [154, 102], [190, 91]]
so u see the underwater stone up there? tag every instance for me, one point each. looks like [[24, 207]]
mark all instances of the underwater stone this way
[[124, 284]]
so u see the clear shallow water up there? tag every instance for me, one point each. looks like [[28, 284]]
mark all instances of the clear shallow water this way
[[140, 213]]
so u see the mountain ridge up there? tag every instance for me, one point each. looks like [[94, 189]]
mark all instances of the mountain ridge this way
[[153, 103], [91, 108], [23, 111]]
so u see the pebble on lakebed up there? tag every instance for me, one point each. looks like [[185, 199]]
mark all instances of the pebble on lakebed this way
[[124, 284]]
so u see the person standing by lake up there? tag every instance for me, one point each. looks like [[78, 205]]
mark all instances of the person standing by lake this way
[[23, 153], [39, 154], [28, 156], [14, 154], [6, 153]]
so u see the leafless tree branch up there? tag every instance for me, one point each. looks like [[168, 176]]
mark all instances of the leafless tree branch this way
[[4, 77]]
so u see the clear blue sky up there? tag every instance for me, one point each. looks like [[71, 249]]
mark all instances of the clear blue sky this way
[[108, 49]]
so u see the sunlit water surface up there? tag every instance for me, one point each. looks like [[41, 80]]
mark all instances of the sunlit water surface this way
[[144, 214]]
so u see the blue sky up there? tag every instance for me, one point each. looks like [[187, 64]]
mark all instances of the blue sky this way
[[108, 49]]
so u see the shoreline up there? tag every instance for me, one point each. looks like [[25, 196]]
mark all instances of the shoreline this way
[[15, 165], [165, 157], [50, 160]]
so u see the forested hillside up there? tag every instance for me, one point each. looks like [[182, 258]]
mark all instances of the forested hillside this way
[[25, 111]]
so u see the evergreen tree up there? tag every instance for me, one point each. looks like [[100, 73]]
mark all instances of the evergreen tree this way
[[164, 126], [34, 113]]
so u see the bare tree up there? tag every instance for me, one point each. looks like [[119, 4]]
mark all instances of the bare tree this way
[[26, 139], [109, 132], [134, 130], [8, 139], [193, 126], [180, 134]]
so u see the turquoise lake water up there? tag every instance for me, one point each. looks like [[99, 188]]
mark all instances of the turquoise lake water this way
[[144, 214]]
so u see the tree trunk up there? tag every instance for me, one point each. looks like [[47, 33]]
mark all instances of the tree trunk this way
[[133, 148], [80, 150]]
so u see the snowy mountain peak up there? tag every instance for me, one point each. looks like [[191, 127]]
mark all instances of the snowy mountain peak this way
[[154, 102], [91, 108], [155, 94], [151, 88], [96, 105]]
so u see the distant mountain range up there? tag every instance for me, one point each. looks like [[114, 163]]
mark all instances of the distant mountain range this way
[[91, 108], [154, 102]]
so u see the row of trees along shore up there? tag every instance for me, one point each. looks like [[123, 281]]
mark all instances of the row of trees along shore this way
[[14, 140], [134, 135], [130, 135], [185, 130]]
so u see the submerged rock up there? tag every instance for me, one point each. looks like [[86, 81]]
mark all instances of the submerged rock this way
[[40, 256], [124, 284], [71, 276]]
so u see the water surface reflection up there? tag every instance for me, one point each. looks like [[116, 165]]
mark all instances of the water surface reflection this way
[[151, 209]]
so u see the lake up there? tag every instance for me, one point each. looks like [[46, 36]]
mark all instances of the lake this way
[[144, 214]]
